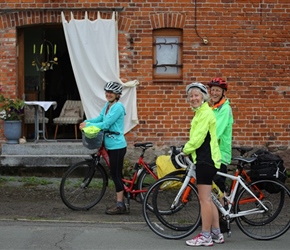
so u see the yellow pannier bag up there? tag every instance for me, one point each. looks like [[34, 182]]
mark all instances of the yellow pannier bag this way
[[164, 167]]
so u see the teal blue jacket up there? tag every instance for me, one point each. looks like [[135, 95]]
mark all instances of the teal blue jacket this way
[[224, 122], [202, 144], [112, 121]]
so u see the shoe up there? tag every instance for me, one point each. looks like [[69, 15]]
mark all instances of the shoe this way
[[219, 239], [200, 240], [116, 210]]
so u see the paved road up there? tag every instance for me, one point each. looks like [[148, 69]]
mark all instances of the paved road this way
[[50, 235]]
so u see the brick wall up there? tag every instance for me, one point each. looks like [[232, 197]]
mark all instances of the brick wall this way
[[249, 46]]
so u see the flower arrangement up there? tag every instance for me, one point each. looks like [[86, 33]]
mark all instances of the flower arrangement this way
[[10, 109]]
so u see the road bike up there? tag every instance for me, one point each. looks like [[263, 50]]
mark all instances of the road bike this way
[[83, 185], [171, 207]]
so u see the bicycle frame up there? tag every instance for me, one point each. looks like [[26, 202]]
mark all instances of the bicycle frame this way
[[231, 198], [237, 180], [129, 183]]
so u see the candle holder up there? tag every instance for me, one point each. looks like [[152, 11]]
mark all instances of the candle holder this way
[[46, 58]]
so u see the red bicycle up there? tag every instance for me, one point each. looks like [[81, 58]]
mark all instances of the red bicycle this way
[[84, 184]]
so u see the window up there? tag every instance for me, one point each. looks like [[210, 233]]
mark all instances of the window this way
[[167, 52]]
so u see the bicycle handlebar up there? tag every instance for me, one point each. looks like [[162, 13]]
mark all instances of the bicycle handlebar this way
[[185, 157]]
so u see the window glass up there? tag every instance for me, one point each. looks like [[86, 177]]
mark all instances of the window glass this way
[[167, 53], [167, 50]]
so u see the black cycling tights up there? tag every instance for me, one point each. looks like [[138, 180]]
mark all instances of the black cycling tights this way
[[116, 167]]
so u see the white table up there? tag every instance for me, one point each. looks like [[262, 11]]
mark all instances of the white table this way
[[44, 105]]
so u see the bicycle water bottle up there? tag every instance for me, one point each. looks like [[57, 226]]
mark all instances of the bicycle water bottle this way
[[216, 190]]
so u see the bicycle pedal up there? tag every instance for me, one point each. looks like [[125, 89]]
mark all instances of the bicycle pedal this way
[[229, 233]]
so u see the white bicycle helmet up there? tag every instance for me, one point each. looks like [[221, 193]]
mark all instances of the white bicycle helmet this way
[[115, 87], [197, 85]]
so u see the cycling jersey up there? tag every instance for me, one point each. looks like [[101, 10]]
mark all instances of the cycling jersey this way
[[224, 123], [112, 119], [202, 144]]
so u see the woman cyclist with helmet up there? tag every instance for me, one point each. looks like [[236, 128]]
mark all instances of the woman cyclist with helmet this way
[[204, 150], [224, 122], [112, 118]]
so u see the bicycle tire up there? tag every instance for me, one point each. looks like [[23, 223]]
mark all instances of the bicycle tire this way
[[272, 213], [145, 179], [83, 185], [268, 225], [170, 223]]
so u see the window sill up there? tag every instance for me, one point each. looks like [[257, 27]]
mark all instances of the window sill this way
[[168, 80]]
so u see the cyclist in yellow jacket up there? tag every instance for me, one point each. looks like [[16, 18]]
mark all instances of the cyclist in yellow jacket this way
[[205, 152]]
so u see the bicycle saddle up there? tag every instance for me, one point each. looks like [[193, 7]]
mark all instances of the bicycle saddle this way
[[248, 160], [143, 145]]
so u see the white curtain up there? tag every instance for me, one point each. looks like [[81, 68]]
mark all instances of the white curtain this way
[[93, 50]]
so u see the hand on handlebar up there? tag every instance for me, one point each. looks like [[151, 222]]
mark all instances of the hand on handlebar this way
[[82, 125]]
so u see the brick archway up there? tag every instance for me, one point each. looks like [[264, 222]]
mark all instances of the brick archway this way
[[23, 18], [168, 20]]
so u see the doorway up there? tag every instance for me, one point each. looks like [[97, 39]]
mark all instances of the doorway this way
[[54, 83]]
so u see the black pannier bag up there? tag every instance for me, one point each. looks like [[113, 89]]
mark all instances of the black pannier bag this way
[[268, 166]]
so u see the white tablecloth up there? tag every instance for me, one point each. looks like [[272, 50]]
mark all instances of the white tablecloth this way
[[44, 104]]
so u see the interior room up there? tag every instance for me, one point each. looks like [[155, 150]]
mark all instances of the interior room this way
[[48, 75]]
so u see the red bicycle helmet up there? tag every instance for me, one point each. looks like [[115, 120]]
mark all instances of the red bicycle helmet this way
[[219, 82]]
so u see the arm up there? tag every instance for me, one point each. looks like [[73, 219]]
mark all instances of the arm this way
[[91, 122], [198, 132], [223, 117], [115, 112]]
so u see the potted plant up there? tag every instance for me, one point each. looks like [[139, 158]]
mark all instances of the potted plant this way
[[11, 111]]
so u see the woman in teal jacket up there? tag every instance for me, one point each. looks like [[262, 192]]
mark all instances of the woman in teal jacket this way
[[204, 150], [224, 120], [112, 118]]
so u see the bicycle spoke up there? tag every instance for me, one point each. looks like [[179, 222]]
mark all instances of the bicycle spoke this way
[[166, 221], [83, 186], [265, 225]]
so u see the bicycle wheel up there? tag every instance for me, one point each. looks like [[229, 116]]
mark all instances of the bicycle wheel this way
[[266, 225], [145, 179], [258, 190], [83, 185], [167, 222]]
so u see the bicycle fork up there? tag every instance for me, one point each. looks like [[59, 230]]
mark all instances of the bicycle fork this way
[[184, 190]]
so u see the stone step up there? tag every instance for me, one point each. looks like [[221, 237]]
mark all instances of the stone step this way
[[41, 160], [43, 154], [54, 148], [58, 154]]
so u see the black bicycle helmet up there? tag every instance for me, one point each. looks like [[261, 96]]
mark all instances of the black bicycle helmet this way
[[115, 87], [197, 85], [219, 82]]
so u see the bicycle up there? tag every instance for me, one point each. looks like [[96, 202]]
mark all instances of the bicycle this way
[[84, 184], [176, 211]]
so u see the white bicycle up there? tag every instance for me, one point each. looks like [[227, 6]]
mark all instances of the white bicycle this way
[[171, 207]]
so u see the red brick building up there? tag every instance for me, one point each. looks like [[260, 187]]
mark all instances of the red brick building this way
[[245, 42]]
